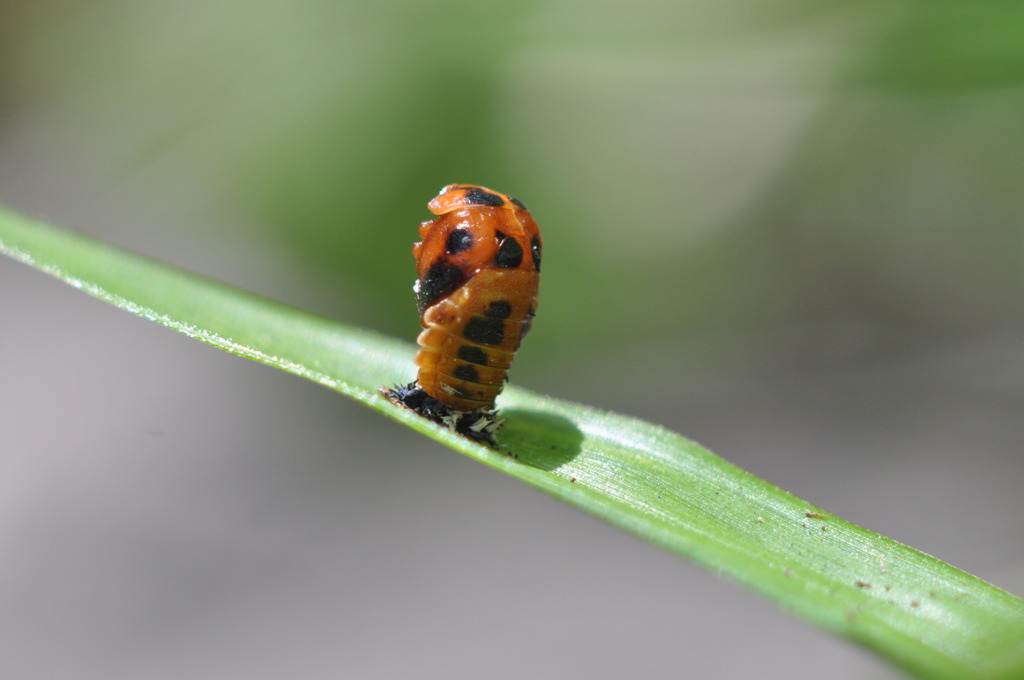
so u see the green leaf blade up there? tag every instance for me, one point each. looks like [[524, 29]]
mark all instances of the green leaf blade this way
[[923, 614]]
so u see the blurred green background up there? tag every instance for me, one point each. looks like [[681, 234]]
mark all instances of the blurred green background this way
[[789, 229]]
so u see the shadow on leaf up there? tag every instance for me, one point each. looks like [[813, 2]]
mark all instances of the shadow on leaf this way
[[539, 439]]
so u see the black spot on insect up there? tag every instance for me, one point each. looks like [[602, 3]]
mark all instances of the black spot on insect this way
[[462, 392], [478, 196], [440, 281], [535, 251], [467, 373], [473, 355], [517, 202], [458, 240], [510, 254], [484, 331], [499, 309]]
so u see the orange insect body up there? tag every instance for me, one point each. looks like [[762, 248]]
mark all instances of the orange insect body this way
[[479, 272]]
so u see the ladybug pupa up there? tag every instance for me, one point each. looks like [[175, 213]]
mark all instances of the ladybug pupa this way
[[479, 271]]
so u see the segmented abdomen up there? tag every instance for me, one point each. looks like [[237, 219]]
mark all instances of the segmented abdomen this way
[[470, 337]]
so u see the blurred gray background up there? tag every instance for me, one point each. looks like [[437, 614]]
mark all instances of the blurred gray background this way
[[790, 230]]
